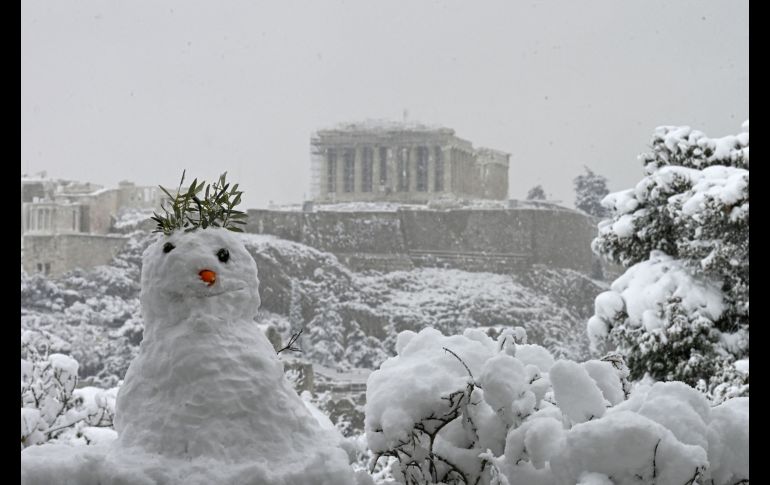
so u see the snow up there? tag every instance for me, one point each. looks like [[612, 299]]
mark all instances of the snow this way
[[505, 385], [621, 202], [724, 185], [323, 420], [646, 287], [623, 445], [729, 441], [742, 365], [583, 431], [106, 464], [679, 139], [597, 330], [32, 425], [608, 304], [536, 355], [543, 440], [394, 404], [403, 339], [577, 395], [624, 226], [132, 218], [206, 400], [607, 379], [64, 363], [675, 405], [736, 342], [98, 435], [590, 478]]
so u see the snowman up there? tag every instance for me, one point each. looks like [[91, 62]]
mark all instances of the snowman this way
[[206, 400]]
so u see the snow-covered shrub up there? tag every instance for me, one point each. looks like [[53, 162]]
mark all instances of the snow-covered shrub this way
[[467, 409], [51, 406], [681, 310]]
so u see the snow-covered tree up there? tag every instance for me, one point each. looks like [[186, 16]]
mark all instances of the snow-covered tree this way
[[590, 189], [681, 310], [362, 350], [467, 409], [323, 343], [536, 193]]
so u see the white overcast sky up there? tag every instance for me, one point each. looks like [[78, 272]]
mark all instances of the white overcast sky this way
[[140, 90]]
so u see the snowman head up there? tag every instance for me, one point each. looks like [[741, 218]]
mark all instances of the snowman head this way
[[202, 271]]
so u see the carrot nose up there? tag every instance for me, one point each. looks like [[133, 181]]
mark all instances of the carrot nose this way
[[208, 276]]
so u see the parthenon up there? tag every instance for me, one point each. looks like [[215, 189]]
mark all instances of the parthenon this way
[[402, 162]]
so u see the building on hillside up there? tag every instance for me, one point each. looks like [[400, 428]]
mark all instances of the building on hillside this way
[[67, 225], [402, 162]]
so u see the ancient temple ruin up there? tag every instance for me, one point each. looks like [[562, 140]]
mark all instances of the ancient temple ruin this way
[[402, 162]]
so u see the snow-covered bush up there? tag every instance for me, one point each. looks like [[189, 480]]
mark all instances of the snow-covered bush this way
[[51, 406], [681, 310], [467, 409]]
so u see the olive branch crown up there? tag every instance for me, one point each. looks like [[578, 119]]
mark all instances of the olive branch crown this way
[[188, 211]]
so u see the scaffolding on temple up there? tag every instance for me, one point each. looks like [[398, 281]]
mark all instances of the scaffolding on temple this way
[[316, 164]]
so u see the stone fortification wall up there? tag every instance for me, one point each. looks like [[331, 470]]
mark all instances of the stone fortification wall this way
[[354, 232], [495, 240], [360, 240], [562, 239], [284, 224], [58, 253]]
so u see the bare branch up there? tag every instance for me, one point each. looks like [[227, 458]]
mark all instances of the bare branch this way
[[461, 361], [290, 346]]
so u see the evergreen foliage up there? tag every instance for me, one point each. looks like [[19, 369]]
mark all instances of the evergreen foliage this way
[[186, 210], [536, 193], [590, 189], [683, 234]]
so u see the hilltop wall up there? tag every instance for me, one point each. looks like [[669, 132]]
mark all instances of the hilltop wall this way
[[493, 240], [55, 254]]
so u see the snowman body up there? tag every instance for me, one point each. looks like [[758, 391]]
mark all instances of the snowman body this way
[[206, 401]]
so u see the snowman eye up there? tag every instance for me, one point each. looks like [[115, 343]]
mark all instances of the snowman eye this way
[[223, 255], [168, 247]]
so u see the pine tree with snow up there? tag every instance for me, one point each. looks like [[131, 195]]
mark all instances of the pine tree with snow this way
[[681, 310], [536, 193], [590, 189]]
